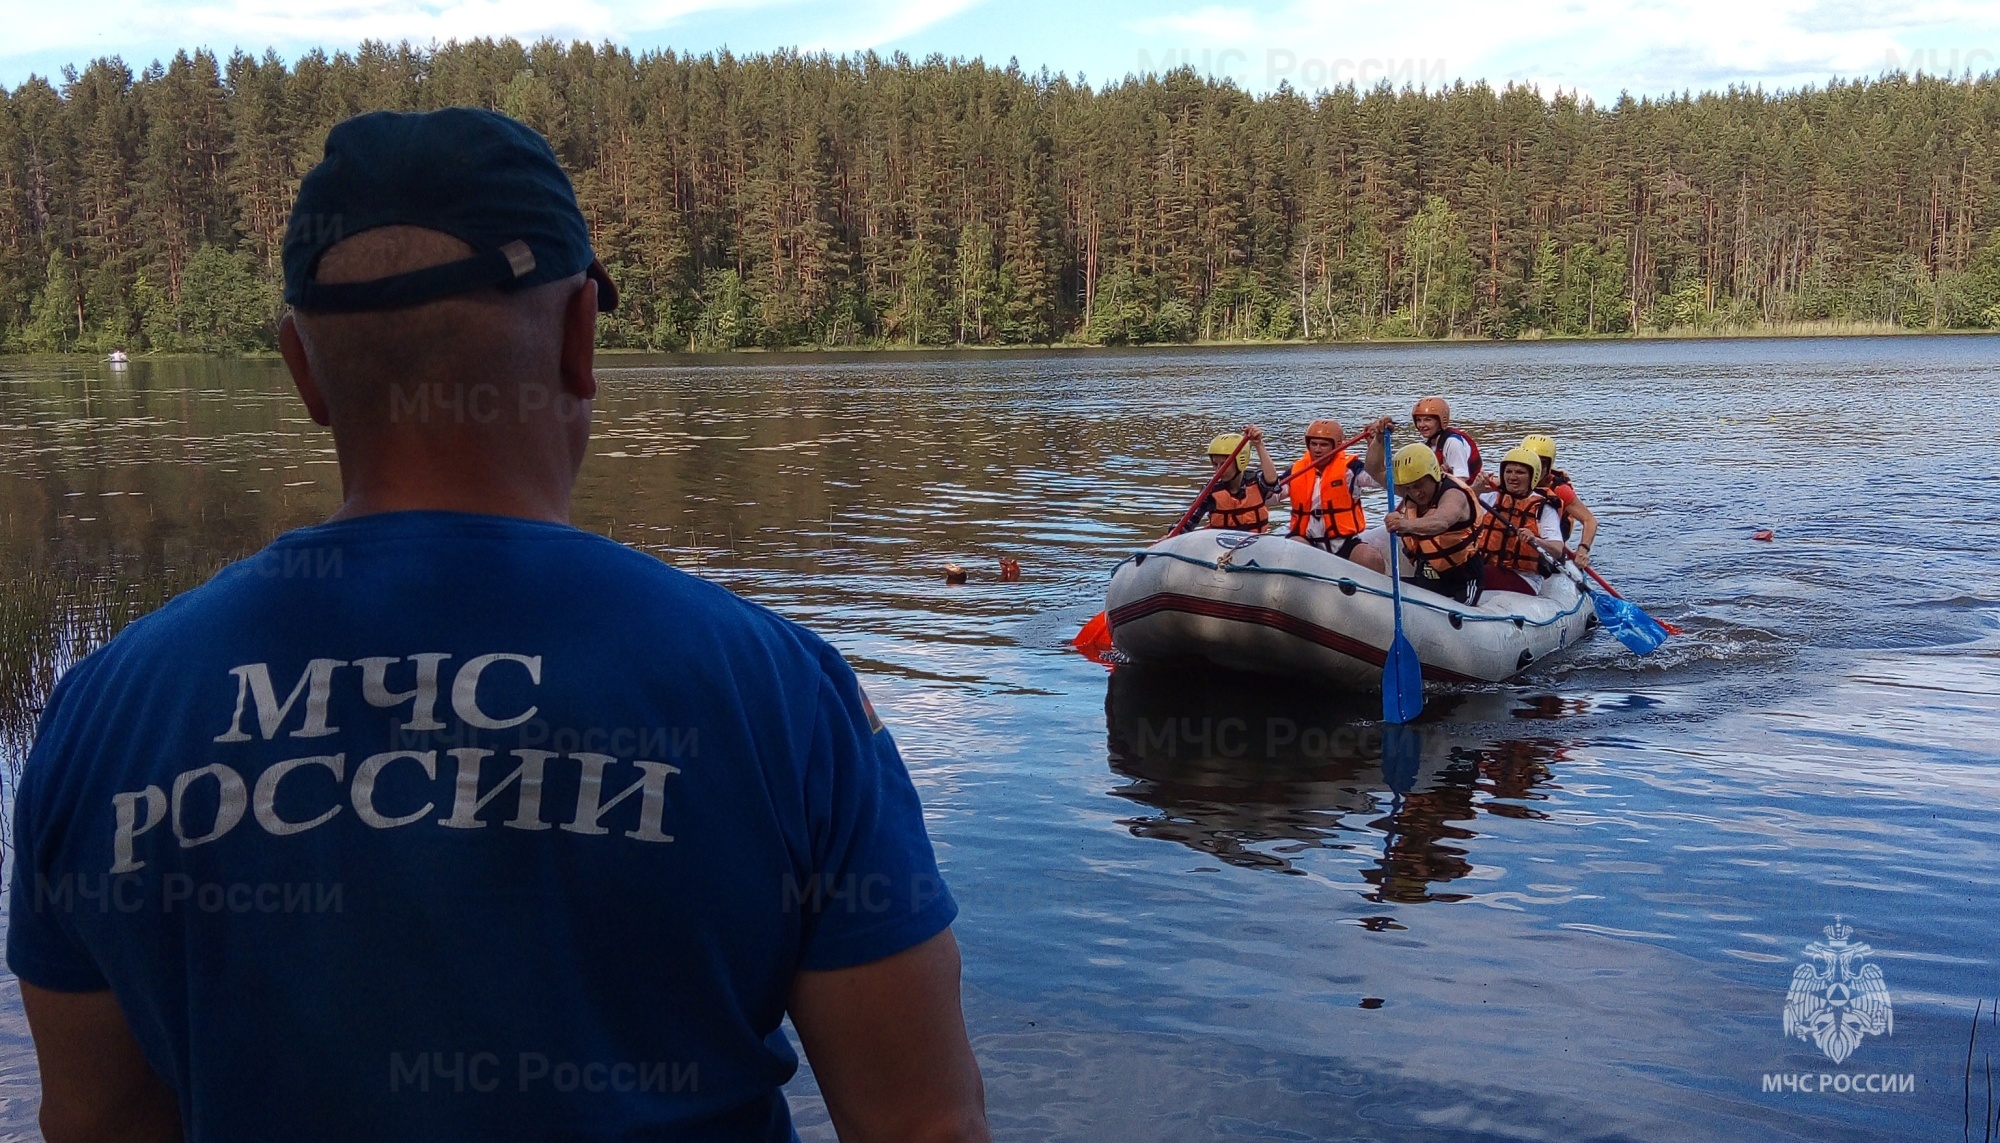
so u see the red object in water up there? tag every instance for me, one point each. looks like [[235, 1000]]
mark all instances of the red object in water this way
[[1010, 570], [1094, 641], [1766, 534]]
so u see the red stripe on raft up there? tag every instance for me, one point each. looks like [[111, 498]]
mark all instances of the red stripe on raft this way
[[1279, 620]]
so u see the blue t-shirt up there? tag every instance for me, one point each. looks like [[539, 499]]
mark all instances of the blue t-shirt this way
[[437, 826]]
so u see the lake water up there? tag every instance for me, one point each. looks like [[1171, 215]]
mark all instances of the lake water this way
[[1192, 907]]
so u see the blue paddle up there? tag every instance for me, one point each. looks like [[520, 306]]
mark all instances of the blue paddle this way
[[1402, 673], [1641, 633]]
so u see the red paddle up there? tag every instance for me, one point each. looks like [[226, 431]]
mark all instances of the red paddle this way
[[1095, 638]]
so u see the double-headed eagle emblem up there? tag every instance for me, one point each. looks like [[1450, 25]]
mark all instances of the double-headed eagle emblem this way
[[1839, 999]]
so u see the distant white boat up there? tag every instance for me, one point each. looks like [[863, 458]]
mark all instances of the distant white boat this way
[[118, 357]]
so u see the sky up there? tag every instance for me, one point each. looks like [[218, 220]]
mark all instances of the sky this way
[[1599, 48]]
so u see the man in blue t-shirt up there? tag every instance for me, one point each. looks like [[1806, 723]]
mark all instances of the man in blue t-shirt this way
[[446, 820]]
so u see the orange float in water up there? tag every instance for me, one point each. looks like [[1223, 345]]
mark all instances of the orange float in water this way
[[1765, 534], [1010, 570]]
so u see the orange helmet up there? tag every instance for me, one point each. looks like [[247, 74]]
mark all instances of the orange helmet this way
[[1433, 407], [1325, 429]]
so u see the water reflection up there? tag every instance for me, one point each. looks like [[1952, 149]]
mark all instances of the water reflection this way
[[1261, 773], [1639, 898]]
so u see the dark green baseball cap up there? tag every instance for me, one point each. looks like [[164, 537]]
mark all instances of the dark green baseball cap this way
[[487, 180]]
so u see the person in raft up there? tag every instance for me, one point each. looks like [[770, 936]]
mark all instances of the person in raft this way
[[1555, 483], [1522, 530], [1240, 501], [1436, 521], [1457, 453], [1325, 487]]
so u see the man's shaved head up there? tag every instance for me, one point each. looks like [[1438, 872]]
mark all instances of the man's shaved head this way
[[486, 336], [474, 402]]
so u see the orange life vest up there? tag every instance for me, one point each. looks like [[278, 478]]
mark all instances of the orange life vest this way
[[1339, 514], [1500, 544], [1440, 555], [1244, 512]]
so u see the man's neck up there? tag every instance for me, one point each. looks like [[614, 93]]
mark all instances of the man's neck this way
[[485, 505], [436, 480]]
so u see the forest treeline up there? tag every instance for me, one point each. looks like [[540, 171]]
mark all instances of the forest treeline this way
[[806, 200]]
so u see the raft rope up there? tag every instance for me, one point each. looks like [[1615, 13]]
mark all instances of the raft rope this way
[[1349, 586]]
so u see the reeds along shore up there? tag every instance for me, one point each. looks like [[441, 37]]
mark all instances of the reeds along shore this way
[[787, 200], [50, 618]]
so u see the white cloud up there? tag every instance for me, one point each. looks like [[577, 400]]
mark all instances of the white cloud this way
[[344, 22], [872, 25], [1598, 46]]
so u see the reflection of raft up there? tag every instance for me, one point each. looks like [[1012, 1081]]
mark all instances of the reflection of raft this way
[[1276, 606]]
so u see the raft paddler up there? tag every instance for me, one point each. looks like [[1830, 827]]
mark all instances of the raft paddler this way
[[1241, 500], [1436, 521], [1521, 533], [1556, 484], [1324, 488], [1457, 454]]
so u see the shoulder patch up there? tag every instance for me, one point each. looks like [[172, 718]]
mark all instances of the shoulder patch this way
[[874, 720]]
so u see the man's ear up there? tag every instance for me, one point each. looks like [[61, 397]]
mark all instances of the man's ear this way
[[579, 344], [294, 351]]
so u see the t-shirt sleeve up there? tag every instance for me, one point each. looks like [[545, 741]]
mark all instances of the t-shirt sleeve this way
[[1550, 523], [1358, 477], [879, 890], [42, 944], [1458, 458]]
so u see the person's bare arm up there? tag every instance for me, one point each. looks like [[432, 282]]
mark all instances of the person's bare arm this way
[[1265, 468], [96, 1085], [1377, 463], [887, 1044], [1453, 511], [1589, 521]]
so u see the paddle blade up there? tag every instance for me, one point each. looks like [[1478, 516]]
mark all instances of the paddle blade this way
[[1095, 638], [1637, 630], [1402, 682]]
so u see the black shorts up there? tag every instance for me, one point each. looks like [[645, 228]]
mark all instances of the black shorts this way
[[1462, 584], [1343, 548]]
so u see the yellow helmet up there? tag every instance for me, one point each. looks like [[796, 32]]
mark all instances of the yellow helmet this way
[[1227, 444], [1541, 445], [1414, 462], [1525, 457]]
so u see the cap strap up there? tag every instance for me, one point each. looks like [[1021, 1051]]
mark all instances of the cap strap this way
[[495, 267]]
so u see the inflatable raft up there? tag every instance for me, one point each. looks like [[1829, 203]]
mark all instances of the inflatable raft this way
[[1272, 605]]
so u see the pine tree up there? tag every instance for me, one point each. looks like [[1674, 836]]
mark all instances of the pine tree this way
[[805, 199]]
